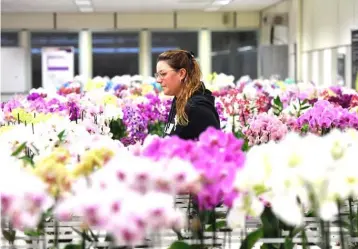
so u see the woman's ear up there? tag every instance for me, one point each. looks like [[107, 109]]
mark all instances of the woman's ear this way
[[182, 74]]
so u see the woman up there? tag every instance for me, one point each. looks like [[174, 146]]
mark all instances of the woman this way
[[193, 108]]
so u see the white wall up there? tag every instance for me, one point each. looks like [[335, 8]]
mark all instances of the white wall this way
[[327, 23], [326, 32], [321, 29], [101, 21]]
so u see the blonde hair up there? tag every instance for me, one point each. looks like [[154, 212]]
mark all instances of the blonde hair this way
[[178, 59]]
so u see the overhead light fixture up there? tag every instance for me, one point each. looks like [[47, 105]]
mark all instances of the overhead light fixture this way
[[221, 2], [83, 3], [86, 9], [212, 9]]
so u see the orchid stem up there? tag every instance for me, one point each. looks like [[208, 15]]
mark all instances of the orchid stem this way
[[351, 217], [341, 235], [56, 233], [83, 245]]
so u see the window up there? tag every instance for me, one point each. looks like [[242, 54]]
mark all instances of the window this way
[[9, 39], [235, 53], [341, 68], [53, 39], [115, 53], [163, 41]]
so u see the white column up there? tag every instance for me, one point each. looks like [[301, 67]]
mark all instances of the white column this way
[[306, 67], [315, 67], [25, 42], [329, 64], [299, 31], [145, 53], [204, 38], [348, 67], [85, 54], [321, 78]]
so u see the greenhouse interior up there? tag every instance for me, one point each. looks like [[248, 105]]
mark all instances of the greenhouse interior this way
[[179, 124]]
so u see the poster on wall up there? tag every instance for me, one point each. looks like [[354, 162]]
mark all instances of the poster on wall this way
[[57, 66], [354, 59]]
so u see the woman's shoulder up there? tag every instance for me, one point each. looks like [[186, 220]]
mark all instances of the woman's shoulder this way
[[203, 97]]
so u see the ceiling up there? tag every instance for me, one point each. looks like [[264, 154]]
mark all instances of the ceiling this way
[[132, 5]]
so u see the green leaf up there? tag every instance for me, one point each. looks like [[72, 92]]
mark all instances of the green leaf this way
[[72, 246], [220, 215], [33, 233], [28, 160], [179, 245], [285, 227], [83, 234], [156, 129], [61, 135], [305, 107], [9, 235], [305, 128], [277, 101], [206, 217], [270, 224], [252, 238], [277, 106], [288, 243], [304, 239], [296, 231], [197, 246], [19, 149], [118, 129], [219, 224]]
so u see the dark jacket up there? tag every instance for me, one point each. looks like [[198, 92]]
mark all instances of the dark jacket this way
[[201, 113]]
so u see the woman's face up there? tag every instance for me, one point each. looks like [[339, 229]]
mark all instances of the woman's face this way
[[169, 79]]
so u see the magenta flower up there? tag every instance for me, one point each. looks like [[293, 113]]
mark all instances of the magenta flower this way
[[264, 128], [324, 116], [216, 156]]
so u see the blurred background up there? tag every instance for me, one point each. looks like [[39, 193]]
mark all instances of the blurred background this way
[[305, 40]]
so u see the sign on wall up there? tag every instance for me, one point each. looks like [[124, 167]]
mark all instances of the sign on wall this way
[[57, 66], [354, 42]]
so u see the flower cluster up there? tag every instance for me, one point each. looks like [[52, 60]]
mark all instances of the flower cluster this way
[[264, 128], [341, 97], [324, 116], [213, 148], [135, 197], [281, 174], [23, 196], [136, 125]]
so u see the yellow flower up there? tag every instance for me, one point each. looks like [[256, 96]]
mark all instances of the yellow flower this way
[[211, 77], [99, 84], [6, 128], [92, 160], [147, 88], [89, 86], [52, 170], [110, 99], [281, 85], [21, 115], [30, 117]]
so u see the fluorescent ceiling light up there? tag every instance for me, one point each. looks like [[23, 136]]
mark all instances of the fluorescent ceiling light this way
[[212, 8], [221, 2], [86, 9], [83, 2]]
